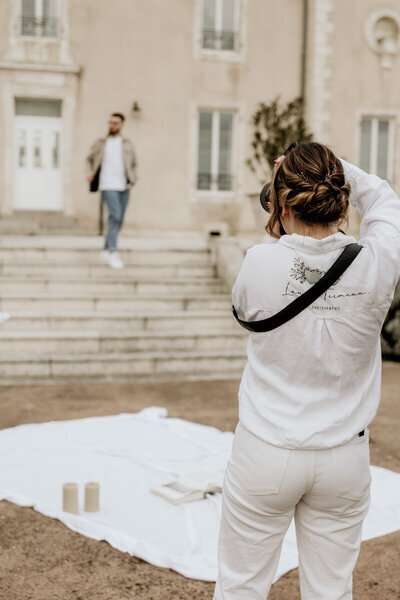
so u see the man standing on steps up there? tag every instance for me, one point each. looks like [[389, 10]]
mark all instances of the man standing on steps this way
[[111, 166]]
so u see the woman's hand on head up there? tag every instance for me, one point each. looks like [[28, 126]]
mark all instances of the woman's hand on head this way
[[278, 160]]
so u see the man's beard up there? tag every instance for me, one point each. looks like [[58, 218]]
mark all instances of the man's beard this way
[[112, 132]]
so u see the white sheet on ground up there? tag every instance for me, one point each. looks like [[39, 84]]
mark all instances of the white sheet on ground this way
[[129, 453]]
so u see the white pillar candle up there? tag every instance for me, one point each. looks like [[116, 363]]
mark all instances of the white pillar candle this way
[[92, 492], [70, 498]]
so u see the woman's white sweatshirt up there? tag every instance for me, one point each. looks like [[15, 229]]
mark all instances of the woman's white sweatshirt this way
[[315, 381]]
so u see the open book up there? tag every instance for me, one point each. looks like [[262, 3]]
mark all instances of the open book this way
[[189, 487]]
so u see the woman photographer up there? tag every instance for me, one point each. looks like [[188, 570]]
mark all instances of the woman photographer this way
[[310, 387]]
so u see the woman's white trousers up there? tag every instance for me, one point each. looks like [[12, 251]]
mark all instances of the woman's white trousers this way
[[327, 493]]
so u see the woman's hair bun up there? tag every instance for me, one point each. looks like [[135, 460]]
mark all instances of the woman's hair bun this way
[[311, 181], [325, 204]]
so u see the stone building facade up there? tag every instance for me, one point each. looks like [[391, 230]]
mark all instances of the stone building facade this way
[[188, 74]]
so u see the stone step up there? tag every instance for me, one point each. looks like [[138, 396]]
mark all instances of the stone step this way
[[89, 255], [86, 250], [165, 316], [111, 287], [40, 222], [119, 321], [192, 242], [56, 271], [35, 302], [24, 344], [122, 367]]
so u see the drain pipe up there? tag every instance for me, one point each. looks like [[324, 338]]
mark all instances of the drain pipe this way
[[303, 81]]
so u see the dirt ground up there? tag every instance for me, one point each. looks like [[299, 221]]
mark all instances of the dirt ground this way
[[40, 559]]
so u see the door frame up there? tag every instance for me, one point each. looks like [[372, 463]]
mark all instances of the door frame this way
[[25, 83]]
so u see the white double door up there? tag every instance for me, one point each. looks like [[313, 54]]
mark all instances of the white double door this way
[[38, 183]]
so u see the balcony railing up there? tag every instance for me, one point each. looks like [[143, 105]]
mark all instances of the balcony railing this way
[[219, 40], [222, 182], [204, 181], [35, 27], [225, 181]]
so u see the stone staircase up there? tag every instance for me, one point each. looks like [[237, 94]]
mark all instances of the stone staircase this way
[[165, 316]]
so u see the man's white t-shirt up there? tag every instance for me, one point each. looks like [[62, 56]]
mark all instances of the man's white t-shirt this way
[[112, 173]]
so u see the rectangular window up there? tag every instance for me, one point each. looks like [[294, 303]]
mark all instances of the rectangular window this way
[[33, 107], [376, 146], [39, 18], [220, 30], [215, 151]]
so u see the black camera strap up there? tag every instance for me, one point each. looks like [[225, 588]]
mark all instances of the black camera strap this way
[[301, 302]]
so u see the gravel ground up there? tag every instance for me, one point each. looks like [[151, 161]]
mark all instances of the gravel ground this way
[[40, 559]]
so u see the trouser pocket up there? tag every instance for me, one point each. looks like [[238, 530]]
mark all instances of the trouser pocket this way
[[351, 462], [256, 467]]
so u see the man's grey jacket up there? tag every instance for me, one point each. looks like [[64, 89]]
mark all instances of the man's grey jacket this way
[[95, 157]]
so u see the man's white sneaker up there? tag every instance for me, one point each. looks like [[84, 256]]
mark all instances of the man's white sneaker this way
[[105, 256], [115, 261]]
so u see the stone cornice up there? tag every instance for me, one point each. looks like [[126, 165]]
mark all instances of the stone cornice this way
[[47, 68]]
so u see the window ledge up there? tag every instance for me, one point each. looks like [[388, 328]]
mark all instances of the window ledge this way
[[38, 38], [22, 66], [214, 197], [228, 56]]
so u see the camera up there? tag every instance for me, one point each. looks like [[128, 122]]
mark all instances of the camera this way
[[264, 194]]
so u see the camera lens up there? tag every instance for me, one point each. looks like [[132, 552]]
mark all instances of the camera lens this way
[[264, 197]]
